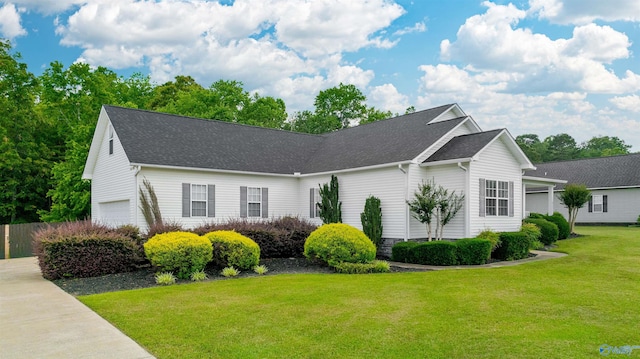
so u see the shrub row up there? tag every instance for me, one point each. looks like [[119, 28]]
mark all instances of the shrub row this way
[[84, 249], [277, 238], [468, 251], [564, 229], [548, 230], [375, 266]]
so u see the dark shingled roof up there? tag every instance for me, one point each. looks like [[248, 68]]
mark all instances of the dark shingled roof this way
[[464, 146], [153, 138], [603, 172]]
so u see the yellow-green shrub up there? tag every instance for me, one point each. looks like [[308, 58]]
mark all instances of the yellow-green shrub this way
[[179, 252], [338, 242], [232, 249]]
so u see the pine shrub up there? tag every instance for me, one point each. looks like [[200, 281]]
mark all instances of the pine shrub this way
[[338, 242], [179, 252], [233, 249]]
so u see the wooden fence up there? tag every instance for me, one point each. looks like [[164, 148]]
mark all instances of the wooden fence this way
[[16, 240]]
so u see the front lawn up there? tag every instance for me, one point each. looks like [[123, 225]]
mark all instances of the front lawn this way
[[559, 308]]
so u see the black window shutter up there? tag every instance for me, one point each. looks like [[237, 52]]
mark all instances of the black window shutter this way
[[590, 204], [511, 200], [312, 205], [243, 202], [482, 195], [265, 202], [604, 203], [186, 200], [211, 200]]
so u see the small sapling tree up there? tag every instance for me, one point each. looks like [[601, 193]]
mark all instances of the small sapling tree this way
[[574, 197]]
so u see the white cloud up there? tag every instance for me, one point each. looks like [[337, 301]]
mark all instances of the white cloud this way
[[49, 7], [387, 98], [531, 62], [628, 103], [585, 11], [417, 27], [10, 26]]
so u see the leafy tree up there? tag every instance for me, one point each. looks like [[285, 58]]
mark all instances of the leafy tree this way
[[574, 197], [371, 220], [134, 92], [330, 210], [532, 147], [168, 92], [560, 147], [603, 146], [424, 203], [449, 204], [72, 98], [25, 142], [410, 109]]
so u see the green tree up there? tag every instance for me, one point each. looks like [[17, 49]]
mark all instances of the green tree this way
[[371, 220], [72, 98], [423, 205], [531, 145], [26, 140], [602, 146], [330, 207], [574, 197], [168, 93], [560, 147]]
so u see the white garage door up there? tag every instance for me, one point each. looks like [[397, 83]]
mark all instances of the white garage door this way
[[115, 214]]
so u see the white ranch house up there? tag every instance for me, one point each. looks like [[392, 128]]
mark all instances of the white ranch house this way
[[204, 170]]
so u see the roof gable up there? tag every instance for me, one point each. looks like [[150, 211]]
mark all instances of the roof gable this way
[[602, 172]]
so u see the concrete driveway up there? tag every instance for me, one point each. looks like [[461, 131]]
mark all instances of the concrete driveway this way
[[40, 320]]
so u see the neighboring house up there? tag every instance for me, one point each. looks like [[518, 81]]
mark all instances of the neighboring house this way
[[205, 170], [614, 183]]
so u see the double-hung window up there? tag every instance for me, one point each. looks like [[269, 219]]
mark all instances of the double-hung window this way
[[198, 200], [254, 201], [597, 200], [496, 198], [314, 203]]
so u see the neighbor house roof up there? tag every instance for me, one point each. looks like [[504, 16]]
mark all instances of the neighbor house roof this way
[[602, 172]]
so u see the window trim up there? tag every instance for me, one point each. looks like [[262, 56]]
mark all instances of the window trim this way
[[206, 200], [500, 194], [595, 203], [258, 190], [314, 202]]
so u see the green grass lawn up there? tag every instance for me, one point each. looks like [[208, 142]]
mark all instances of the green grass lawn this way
[[559, 308]]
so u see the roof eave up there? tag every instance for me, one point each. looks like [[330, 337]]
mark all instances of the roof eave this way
[[446, 162]]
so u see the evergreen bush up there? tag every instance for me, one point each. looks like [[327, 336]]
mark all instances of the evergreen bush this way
[[439, 253], [549, 230], [403, 252], [371, 220], [514, 246], [232, 249], [179, 252], [338, 242], [564, 229], [473, 251]]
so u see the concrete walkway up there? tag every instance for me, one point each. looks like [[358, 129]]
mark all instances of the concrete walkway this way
[[540, 256], [40, 320]]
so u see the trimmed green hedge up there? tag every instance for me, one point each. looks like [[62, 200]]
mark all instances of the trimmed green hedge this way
[[338, 242], [179, 252], [472, 251], [403, 252], [548, 230], [232, 249], [564, 229], [439, 253], [514, 246]]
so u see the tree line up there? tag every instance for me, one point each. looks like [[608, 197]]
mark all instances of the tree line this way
[[47, 123]]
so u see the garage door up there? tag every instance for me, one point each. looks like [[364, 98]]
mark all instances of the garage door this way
[[115, 214]]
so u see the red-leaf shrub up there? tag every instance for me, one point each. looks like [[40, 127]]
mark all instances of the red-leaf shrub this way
[[83, 249]]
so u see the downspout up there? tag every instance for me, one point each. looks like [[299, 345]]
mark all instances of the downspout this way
[[406, 198], [467, 212], [136, 195]]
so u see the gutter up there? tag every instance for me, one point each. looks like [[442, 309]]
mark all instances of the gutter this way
[[406, 198], [467, 212]]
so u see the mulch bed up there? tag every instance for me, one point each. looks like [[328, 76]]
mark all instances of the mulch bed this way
[[144, 277]]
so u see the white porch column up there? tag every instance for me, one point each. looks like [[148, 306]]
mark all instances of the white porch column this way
[[550, 200], [524, 201]]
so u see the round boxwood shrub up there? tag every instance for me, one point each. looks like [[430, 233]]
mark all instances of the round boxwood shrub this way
[[564, 230], [335, 243], [548, 230], [232, 249], [179, 252]]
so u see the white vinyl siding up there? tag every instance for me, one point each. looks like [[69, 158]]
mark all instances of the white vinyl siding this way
[[497, 163], [113, 185], [623, 206]]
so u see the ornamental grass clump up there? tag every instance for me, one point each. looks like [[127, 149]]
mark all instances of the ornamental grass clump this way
[[233, 249], [261, 269], [165, 278], [230, 272], [338, 242], [179, 252]]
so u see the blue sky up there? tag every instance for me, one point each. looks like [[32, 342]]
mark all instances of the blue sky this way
[[536, 66]]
